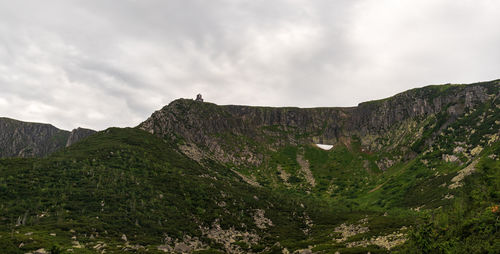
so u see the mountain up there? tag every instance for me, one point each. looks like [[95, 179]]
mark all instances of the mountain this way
[[373, 123], [279, 142], [418, 172], [23, 139]]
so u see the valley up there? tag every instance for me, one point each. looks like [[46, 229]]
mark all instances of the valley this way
[[418, 172]]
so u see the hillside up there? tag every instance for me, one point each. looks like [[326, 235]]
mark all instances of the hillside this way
[[418, 172], [23, 139], [275, 146], [126, 190]]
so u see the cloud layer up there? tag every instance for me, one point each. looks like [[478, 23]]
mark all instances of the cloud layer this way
[[101, 63]]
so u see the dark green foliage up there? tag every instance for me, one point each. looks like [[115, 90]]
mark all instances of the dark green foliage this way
[[471, 224], [127, 181]]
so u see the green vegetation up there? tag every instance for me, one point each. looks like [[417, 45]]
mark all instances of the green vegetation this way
[[428, 184], [127, 181]]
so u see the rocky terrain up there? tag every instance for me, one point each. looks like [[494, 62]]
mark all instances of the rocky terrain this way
[[78, 134], [418, 172], [23, 139], [214, 127], [386, 132]]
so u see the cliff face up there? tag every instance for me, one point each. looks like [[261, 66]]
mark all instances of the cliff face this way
[[217, 128], [379, 116], [23, 139], [77, 135]]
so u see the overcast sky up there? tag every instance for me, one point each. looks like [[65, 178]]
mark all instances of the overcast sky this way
[[102, 63]]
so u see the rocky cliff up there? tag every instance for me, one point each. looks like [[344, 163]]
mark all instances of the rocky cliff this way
[[77, 135], [24, 139], [207, 128]]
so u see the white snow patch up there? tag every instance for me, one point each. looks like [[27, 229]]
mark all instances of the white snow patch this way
[[324, 147]]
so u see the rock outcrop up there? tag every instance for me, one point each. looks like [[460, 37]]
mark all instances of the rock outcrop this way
[[24, 139], [78, 134], [212, 127]]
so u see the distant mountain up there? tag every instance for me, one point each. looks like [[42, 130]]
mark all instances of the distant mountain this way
[[24, 139]]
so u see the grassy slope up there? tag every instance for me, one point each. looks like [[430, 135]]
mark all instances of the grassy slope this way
[[126, 181], [349, 176]]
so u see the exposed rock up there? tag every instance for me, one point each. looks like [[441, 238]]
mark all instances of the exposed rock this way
[[458, 150], [187, 245], [76, 245], [493, 138], [218, 128], [349, 230], [476, 150], [99, 246], [309, 224], [164, 248], [283, 175], [417, 208], [449, 196], [387, 241], [247, 179], [384, 163], [260, 220], [133, 248], [450, 158], [182, 248], [78, 134], [226, 237], [457, 180], [303, 251], [306, 170], [192, 151], [24, 139], [40, 251]]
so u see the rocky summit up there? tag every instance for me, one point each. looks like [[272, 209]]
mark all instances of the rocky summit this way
[[418, 172]]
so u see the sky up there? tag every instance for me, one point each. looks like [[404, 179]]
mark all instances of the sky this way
[[103, 63]]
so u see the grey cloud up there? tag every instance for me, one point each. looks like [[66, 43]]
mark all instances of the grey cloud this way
[[106, 63]]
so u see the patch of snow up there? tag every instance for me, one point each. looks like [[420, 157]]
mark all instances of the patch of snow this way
[[324, 147]]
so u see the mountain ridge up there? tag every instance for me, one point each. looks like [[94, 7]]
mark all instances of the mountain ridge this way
[[199, 122], [418, 172], [29, 139]]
